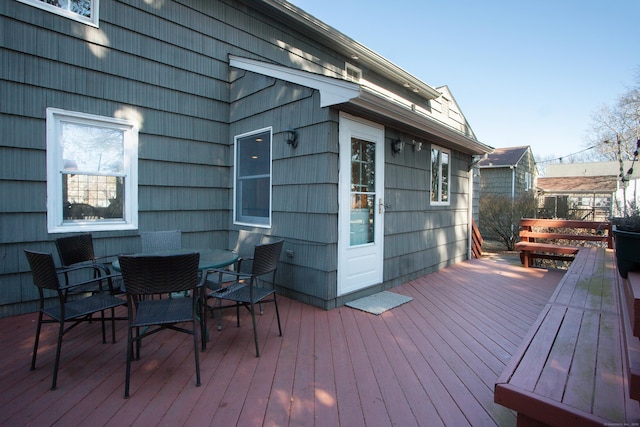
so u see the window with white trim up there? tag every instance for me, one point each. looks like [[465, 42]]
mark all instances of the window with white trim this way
[[440, 175], [92, 172], [85, 11], [352, 73], [528, 181], [252, 179]]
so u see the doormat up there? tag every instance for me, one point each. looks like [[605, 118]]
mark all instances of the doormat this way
[[379, 303]]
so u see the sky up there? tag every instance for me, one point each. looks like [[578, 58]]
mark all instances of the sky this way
[[524, 72]]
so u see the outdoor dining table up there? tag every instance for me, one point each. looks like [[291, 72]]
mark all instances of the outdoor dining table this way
[[209, 258]]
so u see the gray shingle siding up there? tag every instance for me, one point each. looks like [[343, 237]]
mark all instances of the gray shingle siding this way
[[170, 65]]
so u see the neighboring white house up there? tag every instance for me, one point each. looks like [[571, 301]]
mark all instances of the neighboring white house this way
[[578, 176]]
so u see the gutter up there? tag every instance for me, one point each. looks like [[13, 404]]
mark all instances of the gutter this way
[[351, 97], [346, 45], [407, 118]]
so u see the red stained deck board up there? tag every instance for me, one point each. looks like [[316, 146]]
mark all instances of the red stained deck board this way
[[340, 367]]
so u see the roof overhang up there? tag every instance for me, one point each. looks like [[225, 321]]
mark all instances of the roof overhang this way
[[353, 97], [293, 16]]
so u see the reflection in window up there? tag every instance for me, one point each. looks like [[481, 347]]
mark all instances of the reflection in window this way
[[93, 172], [440, 176], [253, 178], [81, 10], [363, 163], [91, 164]]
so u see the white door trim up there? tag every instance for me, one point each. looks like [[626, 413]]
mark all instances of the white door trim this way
[[359, 265]]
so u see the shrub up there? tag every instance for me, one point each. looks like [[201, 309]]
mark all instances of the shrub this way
[[499, 217]]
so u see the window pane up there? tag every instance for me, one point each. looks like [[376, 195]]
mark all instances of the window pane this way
[[362, 165], [254, 197], [362, 219], [254, 155], [445, 177], [81, 7], [435, 175], [92, 197], [92, 149], [253, 178]]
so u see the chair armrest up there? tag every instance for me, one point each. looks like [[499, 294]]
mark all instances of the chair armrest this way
[[239, 262], [235, 277], [100, 280], [236, 274], [104, 274]]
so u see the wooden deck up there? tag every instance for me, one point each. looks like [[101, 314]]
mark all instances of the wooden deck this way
[[432, 361]]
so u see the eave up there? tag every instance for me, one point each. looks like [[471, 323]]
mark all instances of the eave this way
[[352, 97], [295, 17]]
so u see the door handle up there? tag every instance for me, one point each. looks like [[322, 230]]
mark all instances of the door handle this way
[[380, 206]]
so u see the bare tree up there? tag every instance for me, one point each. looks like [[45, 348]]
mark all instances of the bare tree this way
[[618, 123], [500, 217]]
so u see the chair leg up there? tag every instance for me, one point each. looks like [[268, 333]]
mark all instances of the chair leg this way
[[104, 332], [57, 362], [113, 325], [195, 350], [129, 356], [35, 345], [204, 333], [138, 344], [219, 316], [255, 329], [275, 302]]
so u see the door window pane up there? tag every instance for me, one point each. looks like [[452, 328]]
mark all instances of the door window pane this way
[[362, 191]]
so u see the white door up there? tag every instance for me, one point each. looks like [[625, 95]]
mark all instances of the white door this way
[[361, 204]]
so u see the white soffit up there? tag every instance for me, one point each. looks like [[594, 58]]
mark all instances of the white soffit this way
[[332, 91]]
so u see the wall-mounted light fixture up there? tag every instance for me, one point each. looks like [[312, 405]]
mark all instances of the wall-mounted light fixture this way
[[417, 146], [291, 136], [396, 146]]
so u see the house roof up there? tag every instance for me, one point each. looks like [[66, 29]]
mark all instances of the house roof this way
[[375, 101], [578, 184], [504, 157], [333, 38], [590, 169]]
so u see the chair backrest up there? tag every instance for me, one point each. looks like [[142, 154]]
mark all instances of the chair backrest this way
[[155, 241], [265, 258], [74, 249], [43, 269], [159, 274], [246, 242]]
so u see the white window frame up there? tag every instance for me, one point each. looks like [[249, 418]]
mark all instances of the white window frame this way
[[247, 220], [93, 20], [55, 164], [352, 73], [528, 181], [438, 201]]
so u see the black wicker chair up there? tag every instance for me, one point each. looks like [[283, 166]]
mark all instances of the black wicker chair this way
[[248, 288], [146, 276], [70, 308], [156, 241], [244, 247], [78, 250]]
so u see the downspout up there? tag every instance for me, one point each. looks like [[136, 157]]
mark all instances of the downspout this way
[[470, 215], [513, 195], [472, 167], [513, 183]]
